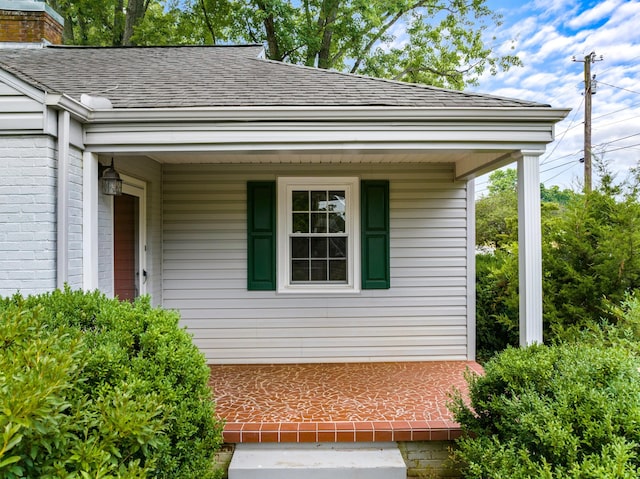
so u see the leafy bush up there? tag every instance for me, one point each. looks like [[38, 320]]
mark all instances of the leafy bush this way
[[589, 260], [566, 411], [497, 302], [92, 387]]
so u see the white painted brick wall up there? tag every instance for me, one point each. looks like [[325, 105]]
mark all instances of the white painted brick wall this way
[[105, 244], [74, 254], [27, 215]]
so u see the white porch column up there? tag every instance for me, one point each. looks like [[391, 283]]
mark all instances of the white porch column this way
[[530, 248], [62, 207], [90, 188]]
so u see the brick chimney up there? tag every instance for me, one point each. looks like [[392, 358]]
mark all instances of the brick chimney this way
[[29, 22]]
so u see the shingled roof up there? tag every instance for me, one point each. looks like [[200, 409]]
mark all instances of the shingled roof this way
[[218, 76]]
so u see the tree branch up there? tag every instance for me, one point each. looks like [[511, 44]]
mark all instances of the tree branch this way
[[270, 29], [207, 21], [382, 31]]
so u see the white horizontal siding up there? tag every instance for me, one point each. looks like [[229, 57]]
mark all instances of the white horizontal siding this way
[[423, 316], [18, 112]]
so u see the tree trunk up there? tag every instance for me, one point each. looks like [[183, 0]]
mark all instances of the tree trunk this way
[[208, 23], [118, 23], [329, 13], [270, 29], [135, 13]]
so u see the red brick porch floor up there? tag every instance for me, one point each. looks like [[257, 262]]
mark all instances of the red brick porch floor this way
[[352, 402]]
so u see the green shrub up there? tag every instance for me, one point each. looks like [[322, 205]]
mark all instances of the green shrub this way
[[566, 411], [94, 387]]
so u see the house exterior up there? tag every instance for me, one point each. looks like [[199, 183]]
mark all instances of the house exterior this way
[[291, 215]]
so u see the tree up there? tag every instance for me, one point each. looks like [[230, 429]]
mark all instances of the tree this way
[[497, 212], [101, 22], [589, 258], [436, 42], [503, 181]]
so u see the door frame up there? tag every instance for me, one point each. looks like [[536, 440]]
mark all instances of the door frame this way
[[138, 188]]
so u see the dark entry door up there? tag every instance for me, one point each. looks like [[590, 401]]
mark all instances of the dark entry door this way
[[125, 246]]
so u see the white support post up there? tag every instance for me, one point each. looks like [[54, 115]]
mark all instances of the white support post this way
[[530, 248], [90, 188], [471, 270], [62, 207]]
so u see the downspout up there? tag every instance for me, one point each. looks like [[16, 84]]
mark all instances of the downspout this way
[[62, 256]]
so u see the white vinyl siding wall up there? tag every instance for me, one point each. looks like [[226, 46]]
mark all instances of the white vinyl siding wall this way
[[423, 316], [19, 112]]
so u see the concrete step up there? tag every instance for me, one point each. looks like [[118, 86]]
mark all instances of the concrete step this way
[[380, 460]]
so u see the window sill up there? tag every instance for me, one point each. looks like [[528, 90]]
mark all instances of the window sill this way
[[319, 290]]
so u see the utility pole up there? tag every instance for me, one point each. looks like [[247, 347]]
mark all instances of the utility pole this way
[[588, 91]]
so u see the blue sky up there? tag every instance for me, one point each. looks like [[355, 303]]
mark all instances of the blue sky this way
[[546, 35]]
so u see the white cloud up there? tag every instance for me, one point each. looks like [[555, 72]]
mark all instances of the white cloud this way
[[547, 34], [600, 11]]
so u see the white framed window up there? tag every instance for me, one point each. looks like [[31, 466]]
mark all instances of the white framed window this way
[[318, 234]]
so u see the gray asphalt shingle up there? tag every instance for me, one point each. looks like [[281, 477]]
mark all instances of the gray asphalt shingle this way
[[224, 76]]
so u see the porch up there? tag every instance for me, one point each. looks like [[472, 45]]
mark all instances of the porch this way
[[339, 402]]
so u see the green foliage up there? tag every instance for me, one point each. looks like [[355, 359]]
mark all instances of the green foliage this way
[[445, 47], [555, 195], [589, 255], [567, 411], [589, 245], [497, 212], [497, 219], [502, 181], [496, 301], [92, 387]]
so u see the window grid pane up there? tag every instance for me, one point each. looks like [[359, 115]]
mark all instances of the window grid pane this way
[[318, 240]]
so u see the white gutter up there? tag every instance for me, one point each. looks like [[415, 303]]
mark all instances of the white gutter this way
[[292, 113], [77, 110], [62, 257]]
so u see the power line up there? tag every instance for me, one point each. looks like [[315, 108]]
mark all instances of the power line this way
[[555, 147], [616, 66], [555, 176], [558, 166], [619, 87], [616, 122], [622, 148], [619, 139]]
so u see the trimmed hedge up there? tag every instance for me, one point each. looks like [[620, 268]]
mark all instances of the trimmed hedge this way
[[94, 387], [566, 411]]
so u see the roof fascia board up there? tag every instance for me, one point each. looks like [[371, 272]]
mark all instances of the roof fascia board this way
[[276, 113], [150, 149], [327, 135]]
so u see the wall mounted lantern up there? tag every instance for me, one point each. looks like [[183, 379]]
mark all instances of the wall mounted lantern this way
[[110, 179]]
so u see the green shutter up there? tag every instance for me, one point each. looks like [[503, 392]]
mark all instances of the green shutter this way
[[261, 235], [375, 234]]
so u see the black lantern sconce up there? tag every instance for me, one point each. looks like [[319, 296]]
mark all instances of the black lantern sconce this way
[[110, 179]]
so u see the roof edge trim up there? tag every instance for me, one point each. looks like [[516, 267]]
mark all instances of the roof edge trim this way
[[76, 109], [372, 114]]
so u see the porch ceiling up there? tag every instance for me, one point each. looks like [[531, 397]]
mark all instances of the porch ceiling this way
[[468, 163]]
